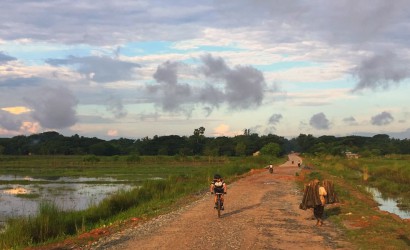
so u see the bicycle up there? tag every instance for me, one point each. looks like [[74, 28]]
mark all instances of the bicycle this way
[[219, 203]]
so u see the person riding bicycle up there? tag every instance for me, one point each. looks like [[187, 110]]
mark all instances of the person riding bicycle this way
[[218, 186]]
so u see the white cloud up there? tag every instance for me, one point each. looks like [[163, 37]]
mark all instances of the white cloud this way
[[112, 132]]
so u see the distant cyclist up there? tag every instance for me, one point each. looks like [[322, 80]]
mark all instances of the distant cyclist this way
[[218, 186]]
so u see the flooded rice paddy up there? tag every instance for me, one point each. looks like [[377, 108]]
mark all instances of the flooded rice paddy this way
[[24, 197]]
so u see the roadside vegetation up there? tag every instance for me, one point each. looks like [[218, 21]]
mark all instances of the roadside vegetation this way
[[181, 178], [357, 213]]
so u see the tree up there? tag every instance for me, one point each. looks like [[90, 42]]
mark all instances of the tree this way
[[197, 140], [305, 142], [240, 149], [199, 131], [246, 132], [270, 149], [104, 148]]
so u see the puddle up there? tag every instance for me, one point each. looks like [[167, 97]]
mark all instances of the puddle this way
[[387, 204]]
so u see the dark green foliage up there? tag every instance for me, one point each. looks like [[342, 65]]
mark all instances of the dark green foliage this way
[[53, 143], [271, 149], [104, 148]]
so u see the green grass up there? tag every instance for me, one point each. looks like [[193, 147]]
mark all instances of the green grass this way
[[357, 214], [180, 180], [28, 196]]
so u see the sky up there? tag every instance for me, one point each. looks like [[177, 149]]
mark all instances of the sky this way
[[140, 68]]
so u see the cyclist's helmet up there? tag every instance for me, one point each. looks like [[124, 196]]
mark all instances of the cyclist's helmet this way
[[217, 176]]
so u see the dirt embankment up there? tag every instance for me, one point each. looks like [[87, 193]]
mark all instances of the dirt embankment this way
[[261, 212]]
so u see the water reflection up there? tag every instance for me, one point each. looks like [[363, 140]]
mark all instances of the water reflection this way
[[387, 204], [16, 190], [67, 193], [56, 179]]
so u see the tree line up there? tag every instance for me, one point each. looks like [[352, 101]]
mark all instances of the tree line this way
[[53, 143]]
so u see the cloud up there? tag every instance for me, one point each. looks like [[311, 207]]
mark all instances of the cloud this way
[[240, 88], [381, 70], [167, 73], [225, 130], [89, 23], [306, 46], [350, 120], [214, 67], [274, 119], [53, 107], [272, 122], [5, 58], [319, 121], [149, 117], [382, 119], [16, 110], [115, 106], [112, 132], [94, 119], [30, 127], [20, 82], [243, 85], [9, 121], [99, 68], [207, 110], [172, 94], [104, 23]]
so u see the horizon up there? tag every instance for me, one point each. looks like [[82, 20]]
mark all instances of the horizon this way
[[128, 138], [135, 69]]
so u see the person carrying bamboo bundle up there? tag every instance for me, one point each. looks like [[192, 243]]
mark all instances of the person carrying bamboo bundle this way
[[316, 195]]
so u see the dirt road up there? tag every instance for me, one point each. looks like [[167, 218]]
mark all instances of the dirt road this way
[[261, 212]]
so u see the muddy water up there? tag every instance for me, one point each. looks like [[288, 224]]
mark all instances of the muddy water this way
[[67, 193], [388, 204]]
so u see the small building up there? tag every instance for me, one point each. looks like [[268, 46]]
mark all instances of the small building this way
[[351, 155]]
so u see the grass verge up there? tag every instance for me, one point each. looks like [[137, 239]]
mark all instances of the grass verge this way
[[357, 214]]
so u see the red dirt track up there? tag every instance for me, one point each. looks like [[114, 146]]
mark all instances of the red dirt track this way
[[261, 212]]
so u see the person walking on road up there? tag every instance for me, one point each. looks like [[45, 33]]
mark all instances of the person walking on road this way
[[319, 209], [315, 197]]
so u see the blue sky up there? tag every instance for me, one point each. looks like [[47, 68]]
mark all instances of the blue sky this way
[[133, 69]]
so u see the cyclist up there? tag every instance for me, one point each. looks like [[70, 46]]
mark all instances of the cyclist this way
[[218, 186]]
